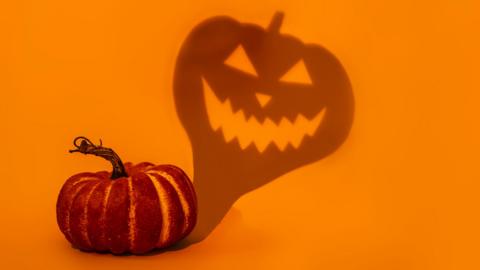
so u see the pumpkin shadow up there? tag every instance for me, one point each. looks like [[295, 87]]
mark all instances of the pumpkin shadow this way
[[238, 143], [177, 246]]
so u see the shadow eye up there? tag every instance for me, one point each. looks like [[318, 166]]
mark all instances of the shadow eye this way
[[239, 60], [298, 73]]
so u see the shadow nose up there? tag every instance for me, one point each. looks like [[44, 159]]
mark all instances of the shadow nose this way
[[263, 99]]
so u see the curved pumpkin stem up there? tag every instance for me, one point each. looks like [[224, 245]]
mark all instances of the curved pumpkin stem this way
[[88, 148]]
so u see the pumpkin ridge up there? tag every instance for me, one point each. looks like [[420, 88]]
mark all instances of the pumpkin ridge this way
[[117, 217], [148, 216], [84, 223], [177, 214], [103, 216], [184, 177], [81, 180], [95, 208], [183, 202], [68, 212], [163, 200], [131, 215], [77, 215], [190, 187], [63, 200], [182, 180]]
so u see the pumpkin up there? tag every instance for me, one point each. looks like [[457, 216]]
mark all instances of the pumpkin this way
[[136, 208], [256, 103]]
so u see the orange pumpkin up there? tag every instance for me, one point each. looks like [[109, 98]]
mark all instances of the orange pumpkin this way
[[134, 209]]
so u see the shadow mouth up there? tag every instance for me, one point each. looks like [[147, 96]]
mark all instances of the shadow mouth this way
[[261, 133]]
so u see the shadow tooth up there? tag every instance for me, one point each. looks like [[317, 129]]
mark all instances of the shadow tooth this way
[[291, 118], [315, 122], [260, 120], [276, 120], [235, 108], [288, 121], [243, 129], [213, 105], [228, 123], [249, 116], [261, 137]]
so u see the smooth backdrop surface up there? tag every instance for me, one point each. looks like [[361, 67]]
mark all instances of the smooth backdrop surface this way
[[401, 193]]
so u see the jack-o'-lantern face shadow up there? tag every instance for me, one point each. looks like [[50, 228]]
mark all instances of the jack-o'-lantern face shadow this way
[[256, 104]]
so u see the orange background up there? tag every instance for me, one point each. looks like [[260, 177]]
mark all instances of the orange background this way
[[401, 193]]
